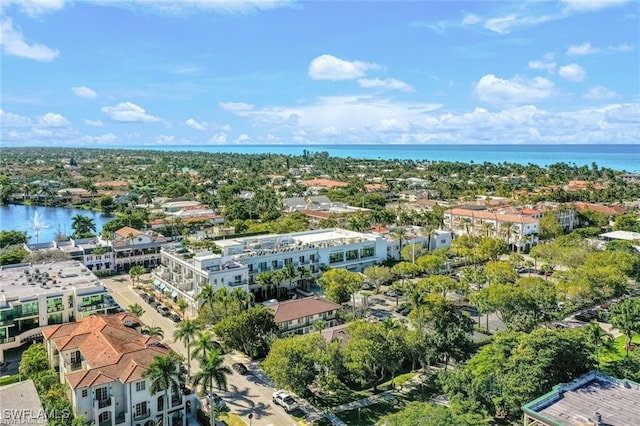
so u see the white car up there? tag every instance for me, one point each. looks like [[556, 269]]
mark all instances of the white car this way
[[284, 399]]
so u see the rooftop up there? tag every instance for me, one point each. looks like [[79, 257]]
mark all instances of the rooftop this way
[[109, 345], [19, 397], [621, 235], [581, 402], [24, 281], [300, 308]]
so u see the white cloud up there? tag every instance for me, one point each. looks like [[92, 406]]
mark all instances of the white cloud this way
[[471, 19], [387, 83], [10, 119], [36, 8], [243, 138], [51, 119], [165, 139], [329, 67], [582, 49], [195, 125], [128, 112], [84, 92], [598, 93], [493, 89], [235, 106], [549, 67], [591, 5], [93, 123], [572, 72], [622, 47], [106, 138], [219, 138], [13, 43], [506, 24]]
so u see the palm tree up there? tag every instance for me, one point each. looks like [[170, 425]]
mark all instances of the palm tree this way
[[153, 331], [598, 338], [165, 372], [82, 225], [207, 296], [212, 370], [506, 229], [304, 275], [289, 273], [401, 235], [186, 331], [135, 272], [203, 345], [136, 310]]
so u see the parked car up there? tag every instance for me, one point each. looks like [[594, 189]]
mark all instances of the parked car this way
[[367, 286], [175, 317], [163, 310], [284, 399], [586, 316], [393, 293], [240, 368], [215, 399], [155, 305]]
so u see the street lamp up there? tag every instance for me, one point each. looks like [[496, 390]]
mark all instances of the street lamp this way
[[250, 417]]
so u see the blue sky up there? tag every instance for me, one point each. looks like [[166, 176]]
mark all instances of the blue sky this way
[[117, 73]]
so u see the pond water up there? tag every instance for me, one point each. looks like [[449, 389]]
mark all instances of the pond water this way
[[42, 223]]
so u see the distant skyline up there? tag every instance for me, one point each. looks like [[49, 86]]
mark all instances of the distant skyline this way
[[121, 73]]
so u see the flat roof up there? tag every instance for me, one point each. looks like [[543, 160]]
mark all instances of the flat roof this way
[[20, 397], [616, 401], [622, 235], [68, 274]]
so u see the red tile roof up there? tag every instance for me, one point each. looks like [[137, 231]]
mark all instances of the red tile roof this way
[[325, 183], [300, 308], [112, 351], [487, 215], [600, 208]]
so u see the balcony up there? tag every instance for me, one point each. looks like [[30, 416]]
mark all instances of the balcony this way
[[176, 400], [75, 366], [101, 403], [142, 416], [120, 418]]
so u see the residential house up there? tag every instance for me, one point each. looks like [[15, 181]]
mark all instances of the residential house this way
[[132, 247], [103, 360], [298, 316], [34, 296]]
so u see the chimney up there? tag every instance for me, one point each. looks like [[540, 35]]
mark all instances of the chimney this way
[[598, 419]]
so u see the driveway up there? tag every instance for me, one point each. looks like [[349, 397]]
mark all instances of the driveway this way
[[250, 394]]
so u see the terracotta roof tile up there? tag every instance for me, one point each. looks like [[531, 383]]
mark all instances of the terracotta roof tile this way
[[300, 308]]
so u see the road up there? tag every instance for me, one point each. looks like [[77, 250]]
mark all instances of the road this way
[[250, 394]]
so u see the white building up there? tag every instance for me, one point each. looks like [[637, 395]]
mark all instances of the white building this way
[[103, 360], [184, 272], [35, 296]]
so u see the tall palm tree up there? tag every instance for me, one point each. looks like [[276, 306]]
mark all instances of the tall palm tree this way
[[135, 272], [186, 331], [153, 331], [304, 275], [182, 305], [165, 372], [82, 225], [207, 296], [203, 345], [212, 371], [506, 229], [401, 234], [136, 310]]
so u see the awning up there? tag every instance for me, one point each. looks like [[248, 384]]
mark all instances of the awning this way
[[174, 294], [162, 287], [156, 283]]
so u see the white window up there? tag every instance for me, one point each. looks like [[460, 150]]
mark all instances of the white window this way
[[85, 393], [140, 386], [141, 408], [101, 394]]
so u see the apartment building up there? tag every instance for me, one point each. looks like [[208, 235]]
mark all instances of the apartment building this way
[[184, 271], [519, 231], [299, 316], [103, 360], [35, 296], [133, 247]]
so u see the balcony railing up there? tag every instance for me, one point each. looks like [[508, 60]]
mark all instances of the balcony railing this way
[[142, 416], [75, 366], [102, 403], [120, 418], [176, 400]]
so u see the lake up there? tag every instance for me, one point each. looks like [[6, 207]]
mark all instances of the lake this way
[[42, 223]]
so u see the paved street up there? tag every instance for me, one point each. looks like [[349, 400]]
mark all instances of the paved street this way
[[247, 394]]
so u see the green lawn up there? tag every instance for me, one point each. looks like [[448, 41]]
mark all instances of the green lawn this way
[[339, 397], [7, 380], [398, 381], [618, 352], [371, 414]]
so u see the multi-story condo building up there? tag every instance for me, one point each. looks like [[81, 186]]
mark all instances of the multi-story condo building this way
[[93, 253], [103, 359], [132, 247], [519, 231], [34, 296], [299, 316], [185, 272]]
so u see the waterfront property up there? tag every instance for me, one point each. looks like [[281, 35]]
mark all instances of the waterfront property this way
[[35, 296], [592, 399], [299, 316], [103, 359]]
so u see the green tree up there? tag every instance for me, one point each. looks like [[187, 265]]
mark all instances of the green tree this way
[[212, 371], [423, 414], [500, 272], [153, 331], [598, 339], [550, 226], [82, 226], [135, 309], [187, 331], [33, 361], [366, 353], [378, 275], [166, 373], [340, 284], [625, 316], [250, 332], [9, 238], [292, 361], [492, 248], [135, 272], [203, 344]]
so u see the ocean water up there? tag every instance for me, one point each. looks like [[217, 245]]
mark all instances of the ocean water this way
[[617, 157]]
